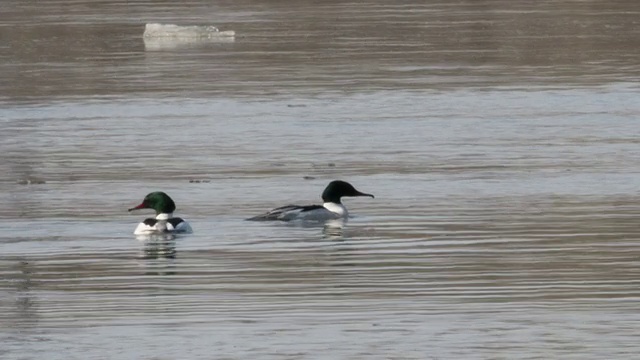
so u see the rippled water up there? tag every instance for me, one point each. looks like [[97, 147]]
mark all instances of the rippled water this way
[[500, 140]]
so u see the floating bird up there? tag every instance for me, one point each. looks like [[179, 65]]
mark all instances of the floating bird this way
[[332, 208], [164, 222]]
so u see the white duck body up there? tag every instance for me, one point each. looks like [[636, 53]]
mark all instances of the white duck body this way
[[163, 223]]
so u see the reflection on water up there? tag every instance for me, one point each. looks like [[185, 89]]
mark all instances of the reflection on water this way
[[182, 44], [25, 305], [162, 246], [333, 229], [499, 137]]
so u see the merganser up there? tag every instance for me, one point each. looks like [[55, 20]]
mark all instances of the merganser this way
[[164, 222], [332, 208]]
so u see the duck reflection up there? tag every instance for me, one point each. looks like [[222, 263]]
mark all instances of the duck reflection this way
[[158, 253], [331, 229], [158, 246], [334, 229]]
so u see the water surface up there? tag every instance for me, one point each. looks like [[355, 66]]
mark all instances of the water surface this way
[[500, 140]]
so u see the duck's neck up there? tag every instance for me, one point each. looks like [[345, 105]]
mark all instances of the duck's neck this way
[[164, 216], [336, 208]]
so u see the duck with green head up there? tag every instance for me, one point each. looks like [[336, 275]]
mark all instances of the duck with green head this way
[[164, 222]]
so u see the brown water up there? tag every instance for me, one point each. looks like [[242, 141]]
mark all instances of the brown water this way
[[500, 140]]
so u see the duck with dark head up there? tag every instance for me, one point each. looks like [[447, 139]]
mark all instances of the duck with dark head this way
[[164, 222], [332, 207]]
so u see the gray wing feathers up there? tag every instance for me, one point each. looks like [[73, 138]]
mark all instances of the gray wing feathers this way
[[284, 213]]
